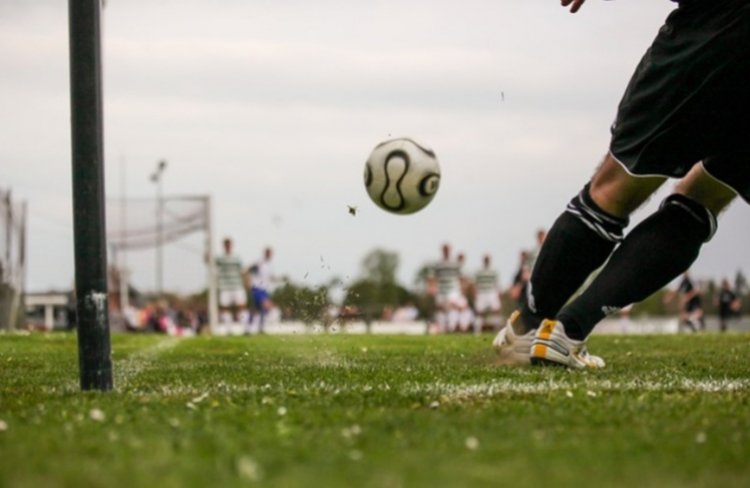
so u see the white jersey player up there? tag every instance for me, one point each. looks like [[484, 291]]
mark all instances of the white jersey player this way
[[446, 277], [487, 302], [262, 278], [466, 315], [232, 294]]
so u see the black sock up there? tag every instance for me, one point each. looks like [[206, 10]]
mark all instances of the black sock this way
[[579, 242], [653, 254]]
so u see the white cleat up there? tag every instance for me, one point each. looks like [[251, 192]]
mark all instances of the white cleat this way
[[552, 346], [513, 349]]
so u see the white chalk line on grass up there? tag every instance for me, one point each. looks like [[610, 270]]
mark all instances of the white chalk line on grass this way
[[127, 370], [462, 391], [501, 387]]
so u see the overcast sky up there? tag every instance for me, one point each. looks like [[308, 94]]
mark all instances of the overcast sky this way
[[271, 107]]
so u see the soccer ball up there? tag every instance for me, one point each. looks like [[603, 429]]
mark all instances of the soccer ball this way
[[402, 176]]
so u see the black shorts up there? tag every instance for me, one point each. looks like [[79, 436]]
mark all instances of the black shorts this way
[[693, 304], [689, 98]]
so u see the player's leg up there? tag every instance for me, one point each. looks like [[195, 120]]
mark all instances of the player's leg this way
[[723, 317], [465, 314], [487, 311], [686, 320], [494, 316], [266, 307], [480, 321], [578, 243], [452, 318], [239, 307], [441, 314], [481, 312], [260, 297], [453, 312], [665, 122], [653, 254], [225, 302], [700, 317], [688, 99], [582, 238]]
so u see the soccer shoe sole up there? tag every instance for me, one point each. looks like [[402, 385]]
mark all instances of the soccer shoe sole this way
[[558, 360], [544, 353]]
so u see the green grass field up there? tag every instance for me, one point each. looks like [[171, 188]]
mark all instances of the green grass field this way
[[374, 411]]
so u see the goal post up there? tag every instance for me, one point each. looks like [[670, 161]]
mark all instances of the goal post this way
[[89, 227], [146, 225]]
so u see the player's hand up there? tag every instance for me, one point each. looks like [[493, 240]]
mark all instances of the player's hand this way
[[574, 4]]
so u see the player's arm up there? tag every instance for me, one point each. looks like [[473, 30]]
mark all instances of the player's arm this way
[[668, 296], [574, 4], [430, 281]]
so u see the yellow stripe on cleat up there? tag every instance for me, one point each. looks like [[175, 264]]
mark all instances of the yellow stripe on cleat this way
[[539, 351], [546, 330]]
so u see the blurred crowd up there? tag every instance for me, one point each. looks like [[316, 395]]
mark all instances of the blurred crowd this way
[[454, 299], [473, 302]]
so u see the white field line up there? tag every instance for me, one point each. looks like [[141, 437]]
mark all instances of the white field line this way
[[463, 391], [127, 370], [668, 325], [500, 387]]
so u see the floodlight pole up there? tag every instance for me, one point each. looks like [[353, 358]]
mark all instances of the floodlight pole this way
[[94, 348], [156, 177]]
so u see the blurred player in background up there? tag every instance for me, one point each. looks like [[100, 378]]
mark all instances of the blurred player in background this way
[[444, 282], [487, 302], [466, 312], [520, 279], [691, 304], [683, 115], [728, 304], [533, 254], [230, 282], [261, 280]]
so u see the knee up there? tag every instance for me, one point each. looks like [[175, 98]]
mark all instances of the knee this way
[[700, 187], [618, 192], [609, 227], [693, 210]]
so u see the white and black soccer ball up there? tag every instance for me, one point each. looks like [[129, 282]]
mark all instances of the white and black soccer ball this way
[[402, 176]]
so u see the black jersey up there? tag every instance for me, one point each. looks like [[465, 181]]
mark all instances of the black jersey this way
[[726, 299], [687, 288]]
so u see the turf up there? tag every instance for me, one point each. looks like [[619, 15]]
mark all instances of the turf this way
[[374, 411]]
